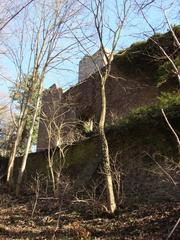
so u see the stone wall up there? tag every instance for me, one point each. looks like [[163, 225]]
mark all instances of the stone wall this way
[[82, 102], [123, 95], [146, 157], [51, 101]]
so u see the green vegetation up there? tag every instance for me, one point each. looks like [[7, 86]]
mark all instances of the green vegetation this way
[[147, 60], [170, 102]]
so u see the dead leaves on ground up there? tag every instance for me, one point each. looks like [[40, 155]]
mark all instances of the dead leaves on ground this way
[[140, 222]]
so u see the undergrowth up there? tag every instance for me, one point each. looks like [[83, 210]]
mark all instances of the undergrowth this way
[[170, 102]]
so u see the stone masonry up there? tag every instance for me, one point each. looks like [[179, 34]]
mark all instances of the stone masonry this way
[[90, 64], [82, 102]]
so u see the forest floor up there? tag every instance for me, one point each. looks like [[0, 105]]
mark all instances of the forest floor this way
[[18, 221]]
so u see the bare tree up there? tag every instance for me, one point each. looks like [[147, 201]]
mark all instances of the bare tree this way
[[56, 149], [113, 29], [44, 54], [59, 132]]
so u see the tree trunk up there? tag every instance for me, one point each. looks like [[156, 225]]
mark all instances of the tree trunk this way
[[24, 161], [105, 151], [9, 178]]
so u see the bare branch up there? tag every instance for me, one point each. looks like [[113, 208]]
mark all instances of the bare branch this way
[[171, 128], [13, 16]]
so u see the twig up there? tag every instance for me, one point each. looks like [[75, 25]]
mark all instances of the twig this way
[[48, 198], [172, 129], [163, 170], [175, 226], [13, 16]]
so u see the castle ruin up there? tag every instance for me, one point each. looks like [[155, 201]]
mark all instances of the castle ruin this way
[[90, 64], [82, 101]]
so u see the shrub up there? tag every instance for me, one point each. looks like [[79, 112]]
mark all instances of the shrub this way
[[170, 102]]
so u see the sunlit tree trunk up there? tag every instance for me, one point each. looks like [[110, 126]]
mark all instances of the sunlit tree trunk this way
[[28, 146], [15, 146], [105, 149]]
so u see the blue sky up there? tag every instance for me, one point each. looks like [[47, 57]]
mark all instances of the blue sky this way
[[67, 75]]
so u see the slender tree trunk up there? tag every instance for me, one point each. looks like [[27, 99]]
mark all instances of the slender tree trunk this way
[[21, 126], [24, 161], [105, 151], [14, 150], [50, 163], [178, 78]]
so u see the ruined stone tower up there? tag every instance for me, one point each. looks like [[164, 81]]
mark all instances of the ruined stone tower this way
[[50, 101], [90, 64]]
